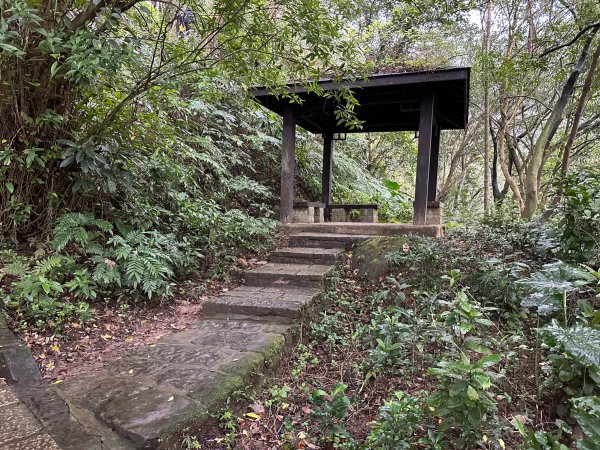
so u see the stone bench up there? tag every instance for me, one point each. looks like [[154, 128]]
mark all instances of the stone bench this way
[[309, 212], [341, 213]]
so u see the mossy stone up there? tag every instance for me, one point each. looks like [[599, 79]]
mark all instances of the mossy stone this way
[[370, 256]]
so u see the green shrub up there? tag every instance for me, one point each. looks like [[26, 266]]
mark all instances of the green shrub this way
[[396, 423], [42, 293], [330, 409], [580, 216], [463, 397]]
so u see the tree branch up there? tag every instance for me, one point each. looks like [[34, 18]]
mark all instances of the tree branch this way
[[572, 41]]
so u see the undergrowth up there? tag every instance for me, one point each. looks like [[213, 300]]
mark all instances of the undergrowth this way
[[455, 348]]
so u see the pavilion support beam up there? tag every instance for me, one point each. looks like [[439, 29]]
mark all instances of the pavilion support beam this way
[[426, 124], [326, 181], [434, 162], [288, 162]]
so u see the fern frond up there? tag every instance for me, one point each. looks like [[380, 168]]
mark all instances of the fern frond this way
[[16, 269], [48, 264]]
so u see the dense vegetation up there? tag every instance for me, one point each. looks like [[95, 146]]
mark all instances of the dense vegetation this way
[[481, 340], [135, 168]]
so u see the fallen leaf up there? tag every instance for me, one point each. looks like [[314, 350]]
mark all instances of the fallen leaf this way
[[253, 416], [171, 398]]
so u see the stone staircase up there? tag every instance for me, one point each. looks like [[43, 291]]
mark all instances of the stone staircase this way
[[137, 401]]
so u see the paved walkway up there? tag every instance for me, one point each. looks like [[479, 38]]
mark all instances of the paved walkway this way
[[19, 429]]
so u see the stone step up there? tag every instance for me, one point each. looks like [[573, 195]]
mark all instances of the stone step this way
[[307, 255], [287, 302], [370, 229], [159, 388], [280, 275], [325, 240]]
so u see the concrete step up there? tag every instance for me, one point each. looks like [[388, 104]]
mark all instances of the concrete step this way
[[280, 275], [325, 240], [370, 229], [307, 255], [287, 302]]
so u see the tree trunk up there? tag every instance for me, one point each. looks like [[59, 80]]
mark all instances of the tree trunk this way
[[564, 166], [486, 111], [534, 166]]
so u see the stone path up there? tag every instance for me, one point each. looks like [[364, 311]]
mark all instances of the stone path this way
[[137, 401]]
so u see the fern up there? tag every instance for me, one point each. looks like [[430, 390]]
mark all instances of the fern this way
[[106, 272], [17, 268], [81, 228], [580, 342], [48, 264]]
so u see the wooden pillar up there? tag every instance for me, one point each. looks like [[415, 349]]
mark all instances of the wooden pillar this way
[[434, 161], [326, 180], [423, 157], [288, 162]]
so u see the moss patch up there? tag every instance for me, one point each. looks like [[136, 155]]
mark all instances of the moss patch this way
[[370, 256]]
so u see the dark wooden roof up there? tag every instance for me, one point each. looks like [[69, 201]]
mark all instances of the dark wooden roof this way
[[388, 102]]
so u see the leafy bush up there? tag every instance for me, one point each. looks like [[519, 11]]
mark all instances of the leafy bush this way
[[575, 358], [580, 216], [396, 423], [41, 294], [463, 397], [548, 288], [329, 409], [387, 337], [586, 411]]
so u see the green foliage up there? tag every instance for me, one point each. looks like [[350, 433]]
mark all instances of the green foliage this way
[[579, 341], [463, 397], [538, 439], [83, 230], [497, 284], [42, 294], [574, 357], [396, 423], [580, 216], [586, 411], [549, 287], [329, 409], [228, 424], [388, 336]]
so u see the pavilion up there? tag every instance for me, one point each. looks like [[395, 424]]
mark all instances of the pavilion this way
[[426, 102]]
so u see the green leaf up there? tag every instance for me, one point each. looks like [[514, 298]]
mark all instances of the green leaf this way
[[478, 347], [10, 187], [472, 393], [488, 361], [580, 341]]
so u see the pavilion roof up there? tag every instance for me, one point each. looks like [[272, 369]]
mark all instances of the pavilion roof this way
[[387, 102]]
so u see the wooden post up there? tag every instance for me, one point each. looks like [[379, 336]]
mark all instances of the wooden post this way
[[434, 162], [326, 180], [288, 162], [424, 152]]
